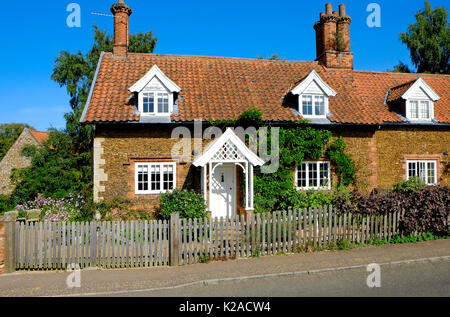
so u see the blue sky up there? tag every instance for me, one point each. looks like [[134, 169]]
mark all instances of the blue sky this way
[[34, 32]]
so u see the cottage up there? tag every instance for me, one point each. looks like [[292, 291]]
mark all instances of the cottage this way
[[396, 126], [14, 158]]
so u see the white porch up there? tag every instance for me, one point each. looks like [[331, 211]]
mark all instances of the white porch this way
[[219, 182]]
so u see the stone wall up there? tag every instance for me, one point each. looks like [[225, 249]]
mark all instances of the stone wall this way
[[2, 244], [116, 150], [379, 156], [396, 145], [14, 159]]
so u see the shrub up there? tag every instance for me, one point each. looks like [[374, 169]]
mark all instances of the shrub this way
[[70, 208], [411, 185], [427, 210], [188, 203], [5, 204]]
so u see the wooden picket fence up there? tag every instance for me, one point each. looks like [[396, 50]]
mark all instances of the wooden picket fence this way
[[278, 232], [59, 245]]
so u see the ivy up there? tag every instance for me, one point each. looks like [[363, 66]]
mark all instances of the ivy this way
[[344, 166], [251, 117], [277, 190]]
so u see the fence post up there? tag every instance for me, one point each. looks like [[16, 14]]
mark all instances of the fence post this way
[[174, 238], [10, 243]]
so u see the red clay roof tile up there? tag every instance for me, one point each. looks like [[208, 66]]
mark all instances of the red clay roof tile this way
[[222, 88]]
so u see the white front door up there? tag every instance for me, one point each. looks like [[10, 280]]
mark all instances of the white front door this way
[[223, 191]]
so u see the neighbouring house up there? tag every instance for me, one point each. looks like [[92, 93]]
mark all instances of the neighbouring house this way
[[14, 158], [395, 125]]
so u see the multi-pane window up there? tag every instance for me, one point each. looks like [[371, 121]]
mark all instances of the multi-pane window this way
[[163, 102], [155, 103], [424, 110], [154, 178], [307, 105], [313, 175], [149, 102], [319, 105], [313, 105], [419, 109], [424, 170]]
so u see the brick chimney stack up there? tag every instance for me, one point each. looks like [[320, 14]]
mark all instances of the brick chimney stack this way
[[333, 38], [121, 12]]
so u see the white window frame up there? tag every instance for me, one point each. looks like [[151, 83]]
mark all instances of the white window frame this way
[[161, 180], [155, 94], [314, 114], [419, 102], [318, 163], [425, 163]]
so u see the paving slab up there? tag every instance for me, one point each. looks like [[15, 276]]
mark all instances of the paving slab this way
[[102, 280]]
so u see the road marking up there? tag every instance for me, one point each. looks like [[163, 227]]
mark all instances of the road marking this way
[[244, 278]]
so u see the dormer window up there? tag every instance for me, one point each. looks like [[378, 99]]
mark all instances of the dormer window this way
[[313, 105], [314, 96], [415, 100], [153, 103], [156, 93], [419, 110]]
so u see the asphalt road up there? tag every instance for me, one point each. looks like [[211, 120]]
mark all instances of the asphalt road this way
[[414, 279]]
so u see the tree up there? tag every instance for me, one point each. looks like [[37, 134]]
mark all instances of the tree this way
[[274, 57], [63, 164], [9, 132], [428, 40], [56, 170], [76, 72], [401, 68]]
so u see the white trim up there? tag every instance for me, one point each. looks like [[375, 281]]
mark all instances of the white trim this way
[[425, 162], [314, 76], [155, 113], [318, 176], [420, 83], [161, 180], [408, 109], [229, 135], [91, 91], [154, 71], [314, 115]]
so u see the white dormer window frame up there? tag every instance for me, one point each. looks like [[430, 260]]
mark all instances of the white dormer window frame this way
[[155, 101], [420, 108], [318, 101]]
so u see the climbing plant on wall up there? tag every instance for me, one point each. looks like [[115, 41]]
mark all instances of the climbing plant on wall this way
[[296, 143]]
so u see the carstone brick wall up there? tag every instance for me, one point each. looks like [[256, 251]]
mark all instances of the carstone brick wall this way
[[379, 156], [361, 150], [123, 147], [14, 159], [394, 146], [2, 244]]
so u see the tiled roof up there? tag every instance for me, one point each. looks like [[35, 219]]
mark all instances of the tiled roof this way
[[221, 88], [396, 93], [40, 136]]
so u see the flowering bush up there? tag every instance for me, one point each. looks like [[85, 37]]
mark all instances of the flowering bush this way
[[188, 203], [68, 208]]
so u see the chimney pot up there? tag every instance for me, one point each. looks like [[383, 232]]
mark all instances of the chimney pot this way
[[121, 12], [335, 13], [322, 14], [329, 8], [342, 10]]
